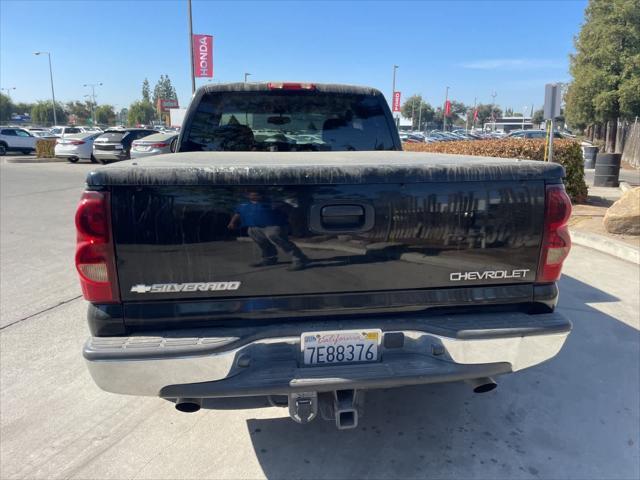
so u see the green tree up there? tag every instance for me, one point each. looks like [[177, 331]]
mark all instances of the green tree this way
[[146, 91], [6, 108], [606, 65], [140, 112], [81, 110], [105, 115], [22, 108], [411, 109], [123, 116], [486, 112], [538, 117], [163, 90], [42, 113]]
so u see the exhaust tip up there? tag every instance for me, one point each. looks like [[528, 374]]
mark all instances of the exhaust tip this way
[[482, 385], [485, 387], [188, 405]]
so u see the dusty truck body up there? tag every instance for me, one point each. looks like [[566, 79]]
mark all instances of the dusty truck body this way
[[311, 275]]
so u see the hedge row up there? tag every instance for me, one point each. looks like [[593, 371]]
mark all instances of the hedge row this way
[[565, 152]]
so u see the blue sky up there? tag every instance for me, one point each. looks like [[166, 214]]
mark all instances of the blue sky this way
[[474, 47]]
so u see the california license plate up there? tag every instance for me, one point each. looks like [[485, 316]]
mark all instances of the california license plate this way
[[340, 346]]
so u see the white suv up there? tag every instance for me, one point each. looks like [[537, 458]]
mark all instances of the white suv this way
[[63, 131], [17, 140]]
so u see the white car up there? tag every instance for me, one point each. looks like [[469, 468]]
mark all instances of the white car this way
[[59, 131], [17, 140], [76, 147]]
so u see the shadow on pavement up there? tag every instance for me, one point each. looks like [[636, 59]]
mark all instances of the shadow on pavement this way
[[573, 417]]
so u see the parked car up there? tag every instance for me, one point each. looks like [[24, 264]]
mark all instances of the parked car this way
[[14, 139], [533, 134], [154, 144], [228, 269], [114, 145], [91, 128], [59, 131], [76, 147]]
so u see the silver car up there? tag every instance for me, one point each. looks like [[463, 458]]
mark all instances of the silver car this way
[[154, 145]]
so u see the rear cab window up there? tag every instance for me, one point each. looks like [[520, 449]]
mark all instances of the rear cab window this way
[[288, 121]]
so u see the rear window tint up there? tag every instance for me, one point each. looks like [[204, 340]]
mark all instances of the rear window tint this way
[[288, 121], [113, 136]]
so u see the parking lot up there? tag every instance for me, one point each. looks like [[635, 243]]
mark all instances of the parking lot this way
[[576, 416]]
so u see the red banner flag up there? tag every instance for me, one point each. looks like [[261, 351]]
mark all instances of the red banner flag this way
[[203, 55], [396, 102], [475, 115], [447, 108]]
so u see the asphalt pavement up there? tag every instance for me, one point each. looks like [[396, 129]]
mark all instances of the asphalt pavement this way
[[576, 416]]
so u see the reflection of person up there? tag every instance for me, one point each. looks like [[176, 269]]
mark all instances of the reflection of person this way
[[268, 227]]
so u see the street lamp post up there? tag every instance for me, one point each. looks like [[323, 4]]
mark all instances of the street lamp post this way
[[475, 102], [413, 118], [524, 111], [493, 106], [246, 75], [193, 73], [444, 110], [53, 95], [393, 91], [8, 90], [93, 97]]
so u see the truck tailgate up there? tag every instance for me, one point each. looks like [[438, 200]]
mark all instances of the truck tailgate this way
[[226, 231]]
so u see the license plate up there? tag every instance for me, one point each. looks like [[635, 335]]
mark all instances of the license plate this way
[[117, 147], [340, 346], [140, 148]]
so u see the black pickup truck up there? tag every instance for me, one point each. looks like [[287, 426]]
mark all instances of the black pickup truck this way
[[290, 249]]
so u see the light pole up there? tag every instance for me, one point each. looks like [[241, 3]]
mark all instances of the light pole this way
[[246, 75], [444, 110], [193, 73], [524, 112], [475, 102], [413, 118], [493, 106], [8, 90], [93, 96], [393, 92], [53, 95]]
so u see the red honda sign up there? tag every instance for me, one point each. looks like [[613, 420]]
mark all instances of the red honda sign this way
[[203, 55], [396, 102], [165, 104]]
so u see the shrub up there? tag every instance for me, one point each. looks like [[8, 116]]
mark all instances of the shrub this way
[[46, 148], [565, 152]]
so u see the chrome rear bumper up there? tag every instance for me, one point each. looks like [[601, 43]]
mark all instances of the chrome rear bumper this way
[[212, 366]]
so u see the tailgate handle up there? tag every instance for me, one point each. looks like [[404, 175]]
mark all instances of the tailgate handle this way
[[341, 218]]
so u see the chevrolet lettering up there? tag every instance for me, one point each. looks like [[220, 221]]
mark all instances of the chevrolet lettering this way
[[489, 274]]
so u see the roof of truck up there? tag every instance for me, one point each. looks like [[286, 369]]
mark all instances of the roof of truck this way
[[264, 86], [309, 168]]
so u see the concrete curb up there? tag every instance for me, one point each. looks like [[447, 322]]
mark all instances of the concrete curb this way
[[35, 160], [625, 187], [606, 245]]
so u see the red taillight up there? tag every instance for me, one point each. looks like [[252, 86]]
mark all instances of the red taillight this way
[[159, 145], [95, 259], [76, 142], [556, 241], [291, 86]]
